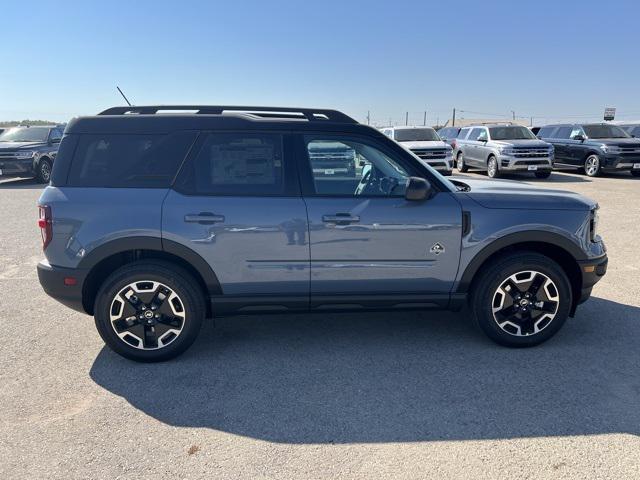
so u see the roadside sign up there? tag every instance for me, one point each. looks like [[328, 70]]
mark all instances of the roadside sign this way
[[609, 113]]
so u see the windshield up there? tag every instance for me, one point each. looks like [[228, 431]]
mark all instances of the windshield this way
[[416, 135], [25, 134], [604, 131], [511, 133]]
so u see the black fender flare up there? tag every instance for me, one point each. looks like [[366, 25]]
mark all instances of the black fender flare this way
[[156, 244], [511, 239]]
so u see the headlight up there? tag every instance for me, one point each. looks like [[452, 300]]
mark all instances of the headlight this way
[[25, 154], [507, 151], [610, 149]]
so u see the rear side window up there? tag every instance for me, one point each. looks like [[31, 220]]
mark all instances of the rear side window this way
[[129, 161], [563, 132], [236, 164]]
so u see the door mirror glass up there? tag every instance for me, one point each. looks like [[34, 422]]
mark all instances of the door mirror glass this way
[[579, 137], [417, 189]]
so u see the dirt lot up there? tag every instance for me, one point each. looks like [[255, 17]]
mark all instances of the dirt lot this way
[[324, 396]]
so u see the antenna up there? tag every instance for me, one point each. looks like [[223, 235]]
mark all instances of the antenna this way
[[125, 98]]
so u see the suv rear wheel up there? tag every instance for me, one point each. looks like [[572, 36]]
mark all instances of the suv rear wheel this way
[[462, 167], [521, 300], [492, 167], [149, 311], [592, 165]]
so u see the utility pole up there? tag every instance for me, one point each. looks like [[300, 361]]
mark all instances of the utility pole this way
[[406, 118], [437, 121], [424, 120], [531, 122], [368, 117], [513, 113], [453, 119]]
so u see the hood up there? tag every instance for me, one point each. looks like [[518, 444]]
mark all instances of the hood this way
[[425, 144], [19, 145], [518, 195], [621, 142], [523, 143]]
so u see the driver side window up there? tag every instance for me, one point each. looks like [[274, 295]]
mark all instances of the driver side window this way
[[341, 167]]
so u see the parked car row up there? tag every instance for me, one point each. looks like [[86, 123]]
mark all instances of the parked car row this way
[[592, 148], [29, 151]]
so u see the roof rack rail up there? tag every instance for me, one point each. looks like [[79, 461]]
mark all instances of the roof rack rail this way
[[310, 114]]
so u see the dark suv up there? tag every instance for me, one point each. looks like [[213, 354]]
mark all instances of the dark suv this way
[[154, 222], [593, 148], [29, 151]]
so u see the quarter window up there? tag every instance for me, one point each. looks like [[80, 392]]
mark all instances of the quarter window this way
[[129, 161]]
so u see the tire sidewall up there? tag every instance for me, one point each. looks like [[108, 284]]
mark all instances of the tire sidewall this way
[[483, 298], [40, 174], [460, 163], [586, 171], [496, 173], [180, 284]]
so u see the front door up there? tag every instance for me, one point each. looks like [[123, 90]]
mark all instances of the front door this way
[[237, 204], [365, 237]]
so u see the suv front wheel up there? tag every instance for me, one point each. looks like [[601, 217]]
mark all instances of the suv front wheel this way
[[592, 165], [492, 167], [462, 167], [43, 171], [522, 300], [149, 311]]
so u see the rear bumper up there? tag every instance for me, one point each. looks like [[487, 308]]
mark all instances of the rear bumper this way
[[592, 272], [52, 279]]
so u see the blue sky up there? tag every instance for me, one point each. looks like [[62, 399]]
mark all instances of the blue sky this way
[[549, 59]]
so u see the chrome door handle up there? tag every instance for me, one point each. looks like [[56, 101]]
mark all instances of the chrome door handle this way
[[341, 218], [204, 218]]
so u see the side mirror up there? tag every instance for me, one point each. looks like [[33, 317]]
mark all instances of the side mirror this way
[[580, 138], [418, 189]]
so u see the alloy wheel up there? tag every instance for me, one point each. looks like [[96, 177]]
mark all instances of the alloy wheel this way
[[525, 303], [45, 171], [592, 165], [147, 315], [492, 167]]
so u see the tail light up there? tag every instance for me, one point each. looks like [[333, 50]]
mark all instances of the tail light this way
[[45, 224]]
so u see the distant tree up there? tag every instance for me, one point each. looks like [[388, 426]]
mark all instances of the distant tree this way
[[14, 123]]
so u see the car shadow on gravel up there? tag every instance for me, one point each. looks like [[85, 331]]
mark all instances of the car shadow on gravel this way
[[391, 378], [21, 184]]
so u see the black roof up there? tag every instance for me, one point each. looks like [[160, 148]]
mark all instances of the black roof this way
[[575, 123], [163, 118]]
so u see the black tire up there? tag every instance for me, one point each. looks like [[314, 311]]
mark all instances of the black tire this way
[[43, 170], [191, 302], [485, 293], [592, 166], [446, 173], [493, 169], [460, 165], [635, 173], [543, 173]]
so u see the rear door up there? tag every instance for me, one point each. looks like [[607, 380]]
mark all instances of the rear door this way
[[561, 145], [237, 204], [365, 237], [471, 149]]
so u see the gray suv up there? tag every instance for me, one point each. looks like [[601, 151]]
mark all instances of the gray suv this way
[[503, 148], [154, 222]]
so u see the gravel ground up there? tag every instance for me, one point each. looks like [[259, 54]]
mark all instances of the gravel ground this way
[[402, 395]]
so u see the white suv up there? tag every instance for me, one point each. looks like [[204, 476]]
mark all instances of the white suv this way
[[426, 144]]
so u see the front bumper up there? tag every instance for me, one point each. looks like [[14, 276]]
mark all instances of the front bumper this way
[[16, 167], [616, 163], [440, 165], [52, 279], [510, 163], [592, 272]]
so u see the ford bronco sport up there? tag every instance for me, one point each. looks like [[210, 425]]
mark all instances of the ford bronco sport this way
[[155, 221], [29, 151]]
